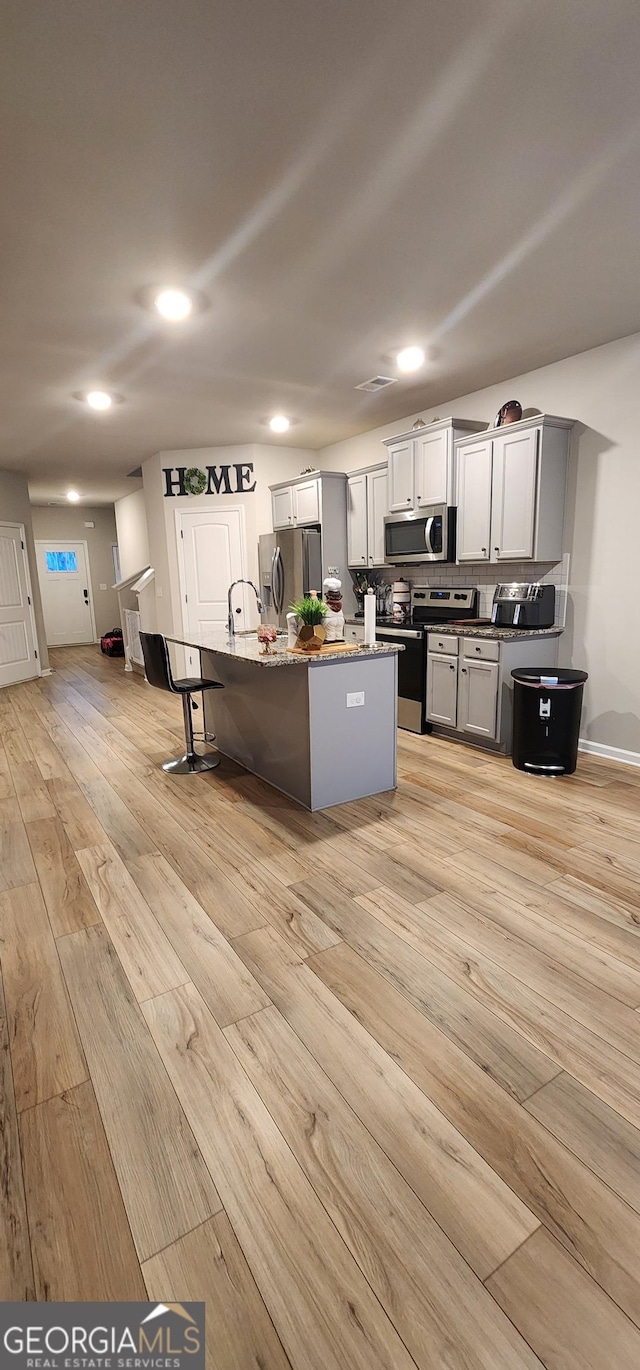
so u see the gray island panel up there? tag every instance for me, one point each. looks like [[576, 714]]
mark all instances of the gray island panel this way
[[293, 728]]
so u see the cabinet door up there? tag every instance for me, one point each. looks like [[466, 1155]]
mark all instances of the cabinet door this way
[[515, 473], [306, 502], [434, 468], [474, 501], [282, 507], [401, 489], [377, 507], [478, 697], [357, 520], [442, 689]]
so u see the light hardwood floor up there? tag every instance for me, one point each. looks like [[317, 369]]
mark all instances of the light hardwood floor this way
[[365, 1081]]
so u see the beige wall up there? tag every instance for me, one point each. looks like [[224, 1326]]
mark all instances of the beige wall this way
[[270, 464], [59, 522], [599, 389], [15, 508], [133, 538]]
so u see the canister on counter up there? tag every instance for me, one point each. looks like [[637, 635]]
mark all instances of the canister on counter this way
[[401, 601]]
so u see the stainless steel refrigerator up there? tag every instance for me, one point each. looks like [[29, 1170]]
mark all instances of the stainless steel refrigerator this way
[[290, 566]]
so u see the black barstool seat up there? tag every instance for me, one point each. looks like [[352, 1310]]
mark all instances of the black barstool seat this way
[[158, 672]]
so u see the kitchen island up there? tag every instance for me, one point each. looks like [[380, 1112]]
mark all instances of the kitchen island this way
[[297, 721]]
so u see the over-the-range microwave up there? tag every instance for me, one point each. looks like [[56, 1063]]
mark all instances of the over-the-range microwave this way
[[425, 535]]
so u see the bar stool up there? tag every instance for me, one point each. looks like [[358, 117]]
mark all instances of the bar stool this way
[[158, 671]]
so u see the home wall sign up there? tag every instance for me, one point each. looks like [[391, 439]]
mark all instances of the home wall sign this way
[[236, 479]]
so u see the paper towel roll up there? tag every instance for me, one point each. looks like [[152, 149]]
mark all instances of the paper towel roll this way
[[370, 618]]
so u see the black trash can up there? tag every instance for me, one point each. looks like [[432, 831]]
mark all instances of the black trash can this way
[[546, 719]]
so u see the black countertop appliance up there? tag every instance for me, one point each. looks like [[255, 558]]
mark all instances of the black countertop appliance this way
[[524, 604]]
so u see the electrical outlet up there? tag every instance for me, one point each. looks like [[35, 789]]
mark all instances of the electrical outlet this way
[[355, 700]]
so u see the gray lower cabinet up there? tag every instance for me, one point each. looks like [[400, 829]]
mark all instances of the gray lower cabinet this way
[[478, 697], [442, 689], [469, 684]]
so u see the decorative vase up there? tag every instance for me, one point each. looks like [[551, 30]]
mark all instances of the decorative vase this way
[[311, 637]]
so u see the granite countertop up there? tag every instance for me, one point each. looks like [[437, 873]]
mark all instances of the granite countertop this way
[[484, 630], [502, 634], [245, 647]]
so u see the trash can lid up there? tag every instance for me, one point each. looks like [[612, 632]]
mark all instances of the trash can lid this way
[[550, 677]]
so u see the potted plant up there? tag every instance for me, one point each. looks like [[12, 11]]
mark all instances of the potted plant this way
[[310, 612]]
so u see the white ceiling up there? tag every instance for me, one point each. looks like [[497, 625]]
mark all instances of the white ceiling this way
[[341, 177]]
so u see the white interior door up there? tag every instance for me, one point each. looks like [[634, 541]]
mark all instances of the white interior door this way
[[65, 588], [18, 659], [211, 547]]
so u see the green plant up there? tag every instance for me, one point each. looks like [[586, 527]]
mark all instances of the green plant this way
[[310, 610]]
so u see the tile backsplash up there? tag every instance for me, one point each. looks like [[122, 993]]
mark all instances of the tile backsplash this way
[[486, 578]]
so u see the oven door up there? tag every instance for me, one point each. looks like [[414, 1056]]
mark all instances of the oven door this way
[[412, 676], [428, 536]]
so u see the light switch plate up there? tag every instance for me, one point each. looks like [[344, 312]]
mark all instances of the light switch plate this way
[[355, 700], [103, 587]]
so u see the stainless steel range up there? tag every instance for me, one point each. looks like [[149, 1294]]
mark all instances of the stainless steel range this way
[[430, 604]]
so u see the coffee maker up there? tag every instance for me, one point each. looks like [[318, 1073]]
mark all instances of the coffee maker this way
[[524, 604]]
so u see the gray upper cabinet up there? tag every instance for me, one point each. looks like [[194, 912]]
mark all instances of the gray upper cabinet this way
[[306, 501], [357, 545], [282, 507], [421, 464], [513, 496], [367, 504], [401, 475], [293, 506], [511, 491], [434, 467], [475, 462], [377, 507]]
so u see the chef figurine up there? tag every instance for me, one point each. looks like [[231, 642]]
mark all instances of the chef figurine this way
[[334, 621]]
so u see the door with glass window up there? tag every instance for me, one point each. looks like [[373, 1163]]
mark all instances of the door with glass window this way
[[65, 589]]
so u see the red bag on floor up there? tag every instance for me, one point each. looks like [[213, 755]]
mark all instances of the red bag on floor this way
[[111, 644]]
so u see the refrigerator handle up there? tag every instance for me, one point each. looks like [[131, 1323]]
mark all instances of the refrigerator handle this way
[[274, 590], [306, 572], [279, 579]]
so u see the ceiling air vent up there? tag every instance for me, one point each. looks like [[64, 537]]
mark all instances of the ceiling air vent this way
[[376, 383]]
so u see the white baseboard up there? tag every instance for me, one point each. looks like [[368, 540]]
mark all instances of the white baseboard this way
[[610, 753]]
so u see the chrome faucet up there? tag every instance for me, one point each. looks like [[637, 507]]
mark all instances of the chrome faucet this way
[[232, 587]]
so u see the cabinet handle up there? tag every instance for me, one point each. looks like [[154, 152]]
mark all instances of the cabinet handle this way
[[496, 549], [483, 549], [408, 499], [478, 649], [464, 670], [452, 667]]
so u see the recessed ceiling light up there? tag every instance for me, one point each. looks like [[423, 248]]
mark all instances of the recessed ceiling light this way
[[279, 423], [174, 305], [73, 496], [410, 358], [99, 399]]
